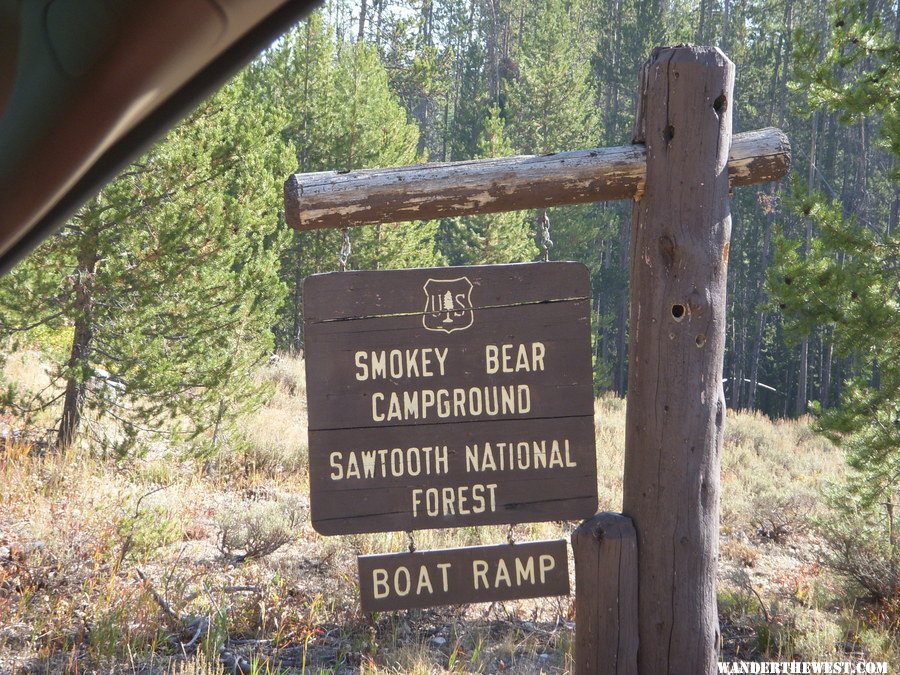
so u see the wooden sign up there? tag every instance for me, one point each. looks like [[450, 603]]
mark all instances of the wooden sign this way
[[449, 397], [461, 575]]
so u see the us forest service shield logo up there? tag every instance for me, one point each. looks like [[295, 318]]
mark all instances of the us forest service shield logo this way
[[448, 305]]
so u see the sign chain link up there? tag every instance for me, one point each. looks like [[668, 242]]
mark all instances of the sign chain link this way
[[546, 242], [344, 255], [411, 541], [510, 535]]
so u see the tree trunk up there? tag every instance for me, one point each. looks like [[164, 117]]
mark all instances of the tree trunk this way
[[875, 378], [838, 379], [422, 111], [362, 20], [803, 372], [762, 315], [297, 304], [895, 212], [446, 130], [825, 383], [78, 364], [701, 28], [380, 6], [742, 357], [726, 23], [620, 381], [788, 385], [493, 51], [788, 50], [754, 359], [605, 302], [732, 365], [676, 408], [612, 121]]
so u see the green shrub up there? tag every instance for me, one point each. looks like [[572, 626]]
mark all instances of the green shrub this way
[[149, 530], [257, 528], [863, 545]]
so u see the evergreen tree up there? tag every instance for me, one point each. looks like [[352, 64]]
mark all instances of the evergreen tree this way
[[551, 102], [493, 238], [551, 108], [343, 117], [167, 281], [848, 280], [473, 109]]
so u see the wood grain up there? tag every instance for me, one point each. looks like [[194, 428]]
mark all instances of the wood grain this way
[[492, 447], [429, 191], [463, 575], [606, 596], [676, 409]]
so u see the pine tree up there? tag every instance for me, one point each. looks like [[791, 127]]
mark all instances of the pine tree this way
[[551, 102], [166, 282], [551, 107], [473, 109], [849, 278], [848, 282], [341, 115], [447, 303], [494, 238], [373, 131]]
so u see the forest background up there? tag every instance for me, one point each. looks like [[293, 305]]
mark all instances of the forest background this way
[[181, 274], [157, 303]]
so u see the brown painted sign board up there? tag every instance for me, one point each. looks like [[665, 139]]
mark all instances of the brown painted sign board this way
[[463, 575], [449, 397]]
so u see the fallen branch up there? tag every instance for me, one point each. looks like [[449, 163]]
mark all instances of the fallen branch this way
[[202, 627], [197, 625], [242, 589], [173, 619]]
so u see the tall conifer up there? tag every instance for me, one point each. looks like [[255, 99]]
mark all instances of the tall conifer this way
[[166, 283]]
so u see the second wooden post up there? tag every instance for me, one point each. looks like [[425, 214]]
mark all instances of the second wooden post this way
[[681, 231]]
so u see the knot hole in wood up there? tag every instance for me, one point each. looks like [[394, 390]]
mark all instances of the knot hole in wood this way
[[667, 251], [720, 105], [668, 133]]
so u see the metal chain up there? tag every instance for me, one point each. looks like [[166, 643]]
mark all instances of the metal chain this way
[[412, 542], [510, 538], [546, 241], [344, 255]]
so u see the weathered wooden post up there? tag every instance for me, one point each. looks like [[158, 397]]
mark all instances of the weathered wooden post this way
[[645, 579], [606, 598], [681, 229]]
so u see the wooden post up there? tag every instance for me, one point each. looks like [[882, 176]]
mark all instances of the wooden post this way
[[346, 199], [679, 172], [676, 406], [606, 596]]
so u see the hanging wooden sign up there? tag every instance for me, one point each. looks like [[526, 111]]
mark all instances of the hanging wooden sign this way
[[449, 397], [461, 575]]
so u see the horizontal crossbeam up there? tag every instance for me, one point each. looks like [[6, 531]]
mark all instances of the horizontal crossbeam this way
[[329, 199]]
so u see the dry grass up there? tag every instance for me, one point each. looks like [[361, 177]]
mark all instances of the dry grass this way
[[31, 378], [609, 421], [273, 441], [76, 533]]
